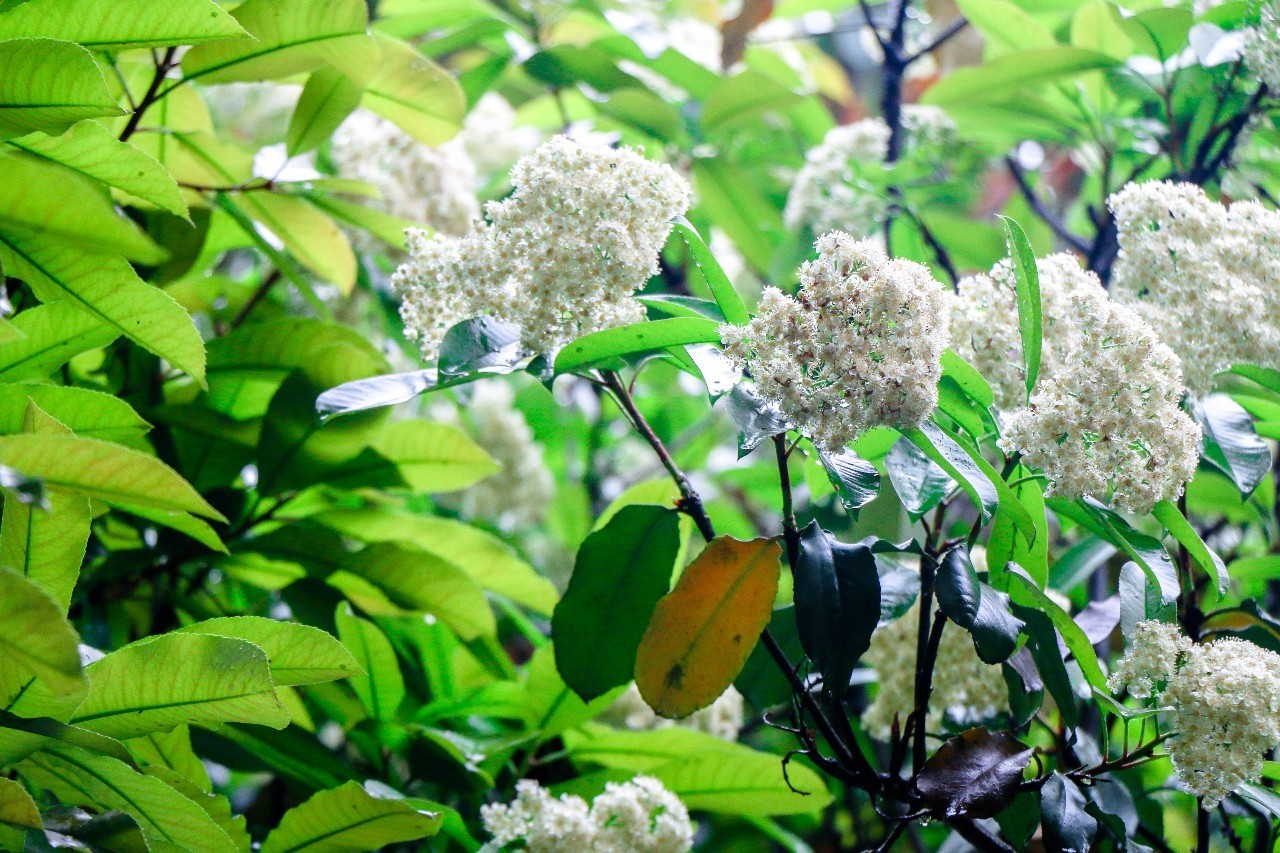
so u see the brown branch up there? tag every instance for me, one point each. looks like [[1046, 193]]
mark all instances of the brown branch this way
[[162, 70]]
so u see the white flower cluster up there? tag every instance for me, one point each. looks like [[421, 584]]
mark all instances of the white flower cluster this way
[[858, 346], [964, 688], [841, 185], [1205, 276], [984, 323], [517, 497], [1107, 423], [1224, 705], [1262, 48], [434, 187], [640, 816], [722, 718], [561, 257]]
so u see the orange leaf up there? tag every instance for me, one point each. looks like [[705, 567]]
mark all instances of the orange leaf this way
[[703, 630]]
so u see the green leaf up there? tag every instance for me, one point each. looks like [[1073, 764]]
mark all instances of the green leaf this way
[[119, 24], [837, 595], [637, 337], [730, 302], [433, 457], [297, 654], [387, 228], [89, 149], [1180, 529], [69, 211], [288, 37], [727, 195], [493, 564], [18, 813], [976, 607], [183, 522], [108, 289], [381, 687], [1012, 72], [173, 751], [403, 86], [247, 366], [1161, 33], [309, 235], [375, 392], [742, 96], [1027, 282], [216, 806], [1148, 552], [621, 572], [326, 101], [959, 464], [34, 634], [1005, 26], [855, 480], [1230, 442], [738, 784], [105, 471], [417, 581], [85, 412], [169, 821], [52, 335], [162, 682], [349, 820], [1024, 591], [48, 85], [919, 482]]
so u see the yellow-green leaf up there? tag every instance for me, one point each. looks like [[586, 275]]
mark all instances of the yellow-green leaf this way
[[289, 36], [109, 290], [35, 634], [297, 654], [163, 682], [18, 813], [326, 101], [703, 630], [402, 85], [168, 820], [105, 24], [381, 686], [49, 85], [102, 470], [349, 820], [91, 150], [52, 335], [309, 235], [67, 210]]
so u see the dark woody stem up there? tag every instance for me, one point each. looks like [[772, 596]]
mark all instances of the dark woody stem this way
[[850, 761]]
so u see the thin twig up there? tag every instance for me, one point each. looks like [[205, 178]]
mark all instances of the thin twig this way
[[944, 35], [162, 70]]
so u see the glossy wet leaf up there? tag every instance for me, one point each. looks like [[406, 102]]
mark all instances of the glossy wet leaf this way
[[1068, 828], [722, 289], [702, 632], [1230, 442], [856, 481], [975, 774], [919, 482], [837, 595]]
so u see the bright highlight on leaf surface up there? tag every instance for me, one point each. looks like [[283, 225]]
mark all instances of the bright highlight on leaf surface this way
[[702, 632]]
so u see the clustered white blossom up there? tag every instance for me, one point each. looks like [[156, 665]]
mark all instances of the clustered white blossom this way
[[964, 688], [1223, 701], [561, 257], [859, 345], [1107, 423], [1262, 48], [984, 323], [722, 718], [517, 497], [434, 187], [840, 187], [640, 816], [1205, 276]]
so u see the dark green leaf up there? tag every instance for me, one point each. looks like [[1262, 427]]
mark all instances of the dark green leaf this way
[[1042, 640], [976, 774], [756, 418], [1140, 599], [959, 590], [1068, 828], [837, 595], [1147, 551], [621, 572], [856, 480], [480, 344]]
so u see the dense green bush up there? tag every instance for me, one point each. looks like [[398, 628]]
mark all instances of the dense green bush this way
[[320, 535]]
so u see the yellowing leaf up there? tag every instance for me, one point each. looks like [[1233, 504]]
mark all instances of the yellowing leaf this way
[[309, 235], [34, 634], [702, 632]]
